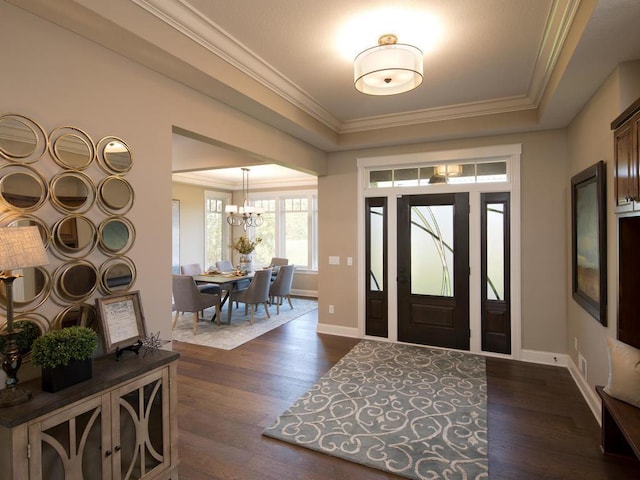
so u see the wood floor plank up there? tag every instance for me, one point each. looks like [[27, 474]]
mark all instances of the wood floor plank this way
[[539, 425]]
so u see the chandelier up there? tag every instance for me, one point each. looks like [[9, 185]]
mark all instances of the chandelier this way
[[244, 215], [389, 68]]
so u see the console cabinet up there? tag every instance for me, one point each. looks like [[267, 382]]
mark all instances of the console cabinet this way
[[627, 159], [123, 428]]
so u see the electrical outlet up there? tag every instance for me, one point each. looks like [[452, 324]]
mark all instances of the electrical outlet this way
[[331, 309]]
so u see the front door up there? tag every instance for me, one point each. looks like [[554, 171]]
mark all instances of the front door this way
[[433, 270]]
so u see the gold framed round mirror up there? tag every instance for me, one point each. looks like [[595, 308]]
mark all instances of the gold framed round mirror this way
[[115, 195], [72, 192], [29, 326], [82, 314], [21, 139], [74, 282], [71, 148], [74, 236], [30, 290], [26, 220], [22, 188], [114, 155], [116, 235], [118, 274]]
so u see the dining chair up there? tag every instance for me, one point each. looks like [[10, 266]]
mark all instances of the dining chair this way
[[196, 269], [187, 298], [224, 266], [281, 286], [255, 294], [278, 262]]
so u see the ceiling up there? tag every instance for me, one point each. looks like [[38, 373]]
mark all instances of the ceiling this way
[[490, 66]]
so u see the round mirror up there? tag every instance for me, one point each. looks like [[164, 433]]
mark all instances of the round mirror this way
[[30, 290], [115, 235], [75, 281], [82, 314], [74, 236], [28, 326], [72, 192], [22, 188], [114, 155], [21, 139], [26, 220], [117, 275], [115, 195], [71, 148]]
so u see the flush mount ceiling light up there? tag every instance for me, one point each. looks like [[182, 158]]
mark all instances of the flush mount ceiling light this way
[[389, 68]]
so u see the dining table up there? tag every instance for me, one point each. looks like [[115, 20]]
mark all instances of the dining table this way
[[227, 281]]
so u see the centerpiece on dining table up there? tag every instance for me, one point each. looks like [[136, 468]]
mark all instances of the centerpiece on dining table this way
[[245, 248]]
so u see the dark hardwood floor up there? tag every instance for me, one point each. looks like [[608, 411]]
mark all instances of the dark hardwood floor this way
[[539, 425]]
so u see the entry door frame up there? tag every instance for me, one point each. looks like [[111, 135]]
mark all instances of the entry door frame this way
[[511, 153]]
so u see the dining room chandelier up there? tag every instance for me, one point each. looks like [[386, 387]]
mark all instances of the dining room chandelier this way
[[389, 68], [244, 215]]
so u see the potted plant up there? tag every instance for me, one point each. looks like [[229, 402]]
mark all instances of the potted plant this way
[[65, 356], [245, 248]]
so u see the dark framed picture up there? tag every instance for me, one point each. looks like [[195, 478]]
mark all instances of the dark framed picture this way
[[589, 241], [121, 320]]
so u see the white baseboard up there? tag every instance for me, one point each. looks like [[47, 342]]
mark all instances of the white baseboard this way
[[545, 358], [304, 293], [588, 393], [337, 330]]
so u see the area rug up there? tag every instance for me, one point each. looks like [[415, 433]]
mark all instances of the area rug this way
[[228, 337], [416, 412]]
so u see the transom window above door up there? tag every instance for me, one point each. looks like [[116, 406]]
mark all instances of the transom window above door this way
[[445, 173]]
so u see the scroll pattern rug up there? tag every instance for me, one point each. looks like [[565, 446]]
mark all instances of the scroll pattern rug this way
[[228, 337], [416, 412]]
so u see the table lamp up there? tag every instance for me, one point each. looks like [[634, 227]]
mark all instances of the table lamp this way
[[20, 247]]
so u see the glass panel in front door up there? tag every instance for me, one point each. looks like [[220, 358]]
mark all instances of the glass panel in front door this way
[[432, 250]]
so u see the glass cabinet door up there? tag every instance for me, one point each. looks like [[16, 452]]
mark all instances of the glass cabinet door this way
[[70, 444], [140, 427]]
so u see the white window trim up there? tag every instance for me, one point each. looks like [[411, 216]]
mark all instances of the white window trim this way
[[226, 228], [511, 153]]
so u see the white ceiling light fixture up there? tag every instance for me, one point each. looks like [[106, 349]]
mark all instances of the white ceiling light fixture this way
[[388, 69], [244, 215]]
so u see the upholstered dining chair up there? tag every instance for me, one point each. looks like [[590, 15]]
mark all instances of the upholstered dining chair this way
[[255, 294], [281, 286], [187, 298], [278, 262], [224, 266], [196, 269]]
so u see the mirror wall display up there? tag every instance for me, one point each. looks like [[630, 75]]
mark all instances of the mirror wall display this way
[[114, 155], [22, 188], [71, 148], [29, 326], [21, 139], [116, 235], [115, 195], [117, 275], [73, 190]]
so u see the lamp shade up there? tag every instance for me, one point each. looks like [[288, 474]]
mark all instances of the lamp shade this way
[[21, 247], [389, 68]]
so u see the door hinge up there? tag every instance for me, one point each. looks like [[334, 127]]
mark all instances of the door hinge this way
[[28, 450]]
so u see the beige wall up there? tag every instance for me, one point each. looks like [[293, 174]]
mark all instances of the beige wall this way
[[591, 140], [59, 78], [543, 198]]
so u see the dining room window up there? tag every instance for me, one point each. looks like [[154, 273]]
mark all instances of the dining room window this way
[[289, 229], [216, 229]]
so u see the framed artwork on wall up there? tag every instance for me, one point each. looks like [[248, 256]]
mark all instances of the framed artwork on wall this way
[[589, 241]]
